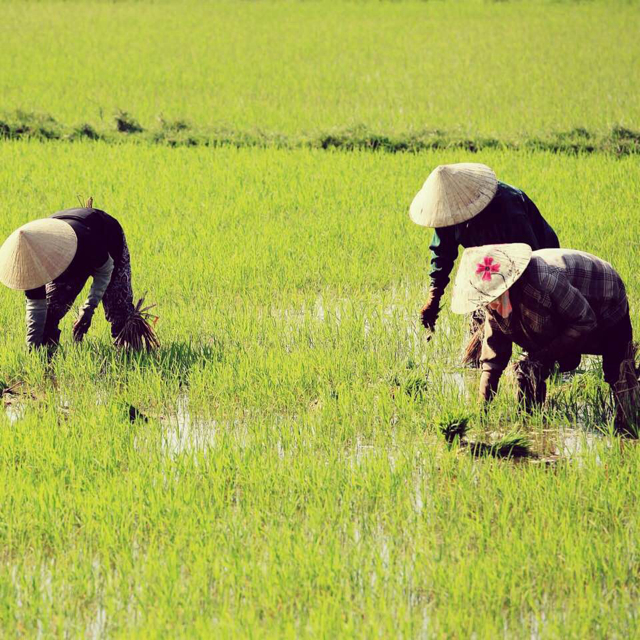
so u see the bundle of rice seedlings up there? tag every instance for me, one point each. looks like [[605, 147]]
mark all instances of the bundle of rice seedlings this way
[[511, 446], [137, 333], [453, 426], [88, 203], [473, 350], [471, 355]]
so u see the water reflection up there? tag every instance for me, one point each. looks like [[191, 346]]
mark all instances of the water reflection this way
[[566, 443], [14, 410], [456, 380], [186, 433]]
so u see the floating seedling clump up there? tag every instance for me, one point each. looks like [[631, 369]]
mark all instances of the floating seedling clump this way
[[454, 428], [510, 446]]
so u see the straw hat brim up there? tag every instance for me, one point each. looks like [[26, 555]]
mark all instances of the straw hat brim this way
[[453, 194], [37, 253], [486, 272]]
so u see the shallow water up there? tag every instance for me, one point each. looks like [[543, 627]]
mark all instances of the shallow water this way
[[14, 410], [566, 443], [186, 433], [457, 380], [183, 431]]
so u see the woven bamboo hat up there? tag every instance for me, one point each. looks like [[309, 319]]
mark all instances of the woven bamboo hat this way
[[485, 273], [37, 253], [453, 193]]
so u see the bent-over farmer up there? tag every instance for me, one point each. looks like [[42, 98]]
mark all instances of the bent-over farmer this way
[[467, 206], [554, 303], [52, 258]]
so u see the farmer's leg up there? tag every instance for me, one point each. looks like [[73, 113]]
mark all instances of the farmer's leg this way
[[60, 296], [618, 365], [531, 377], [569, 362], [118, 298], [614, 347]]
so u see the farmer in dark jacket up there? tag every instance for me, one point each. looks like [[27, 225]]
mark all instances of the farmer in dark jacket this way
[[468, 207], [556, 304], [51, 260]]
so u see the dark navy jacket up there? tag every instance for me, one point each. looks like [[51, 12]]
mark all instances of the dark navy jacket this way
[[99, 236], [510, 217]]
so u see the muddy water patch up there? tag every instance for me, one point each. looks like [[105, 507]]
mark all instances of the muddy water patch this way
[[16, 405], [567, 444]]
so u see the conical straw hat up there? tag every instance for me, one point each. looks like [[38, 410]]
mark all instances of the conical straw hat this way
[[485, 273], [453, 193], [37, 253]]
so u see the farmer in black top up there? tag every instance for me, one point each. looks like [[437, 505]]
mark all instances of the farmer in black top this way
[[467, 206], [59, 260]]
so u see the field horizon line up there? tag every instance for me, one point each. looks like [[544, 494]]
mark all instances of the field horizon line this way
[[617, 141]]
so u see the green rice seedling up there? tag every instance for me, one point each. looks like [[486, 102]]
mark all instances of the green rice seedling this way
[[452, 426], [277, 487], [455, 82]]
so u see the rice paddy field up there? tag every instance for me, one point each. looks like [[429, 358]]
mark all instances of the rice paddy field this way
[[276, 468]]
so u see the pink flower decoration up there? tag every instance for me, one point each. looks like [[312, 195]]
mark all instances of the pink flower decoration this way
[[487, 267]]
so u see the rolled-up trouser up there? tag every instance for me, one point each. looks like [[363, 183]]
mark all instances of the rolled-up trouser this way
[[626, 397], [618, 366], [117, 299], [613, 345]]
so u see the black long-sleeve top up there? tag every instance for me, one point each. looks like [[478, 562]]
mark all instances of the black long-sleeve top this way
[[99, 236], [511, 216]]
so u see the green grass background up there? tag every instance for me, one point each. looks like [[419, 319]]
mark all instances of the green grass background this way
[[504, 69], [308, 494], [289, 480]]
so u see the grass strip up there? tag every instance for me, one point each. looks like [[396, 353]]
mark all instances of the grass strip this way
[[619, 141]]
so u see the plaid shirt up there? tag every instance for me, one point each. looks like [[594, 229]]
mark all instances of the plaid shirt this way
[[561, 294]]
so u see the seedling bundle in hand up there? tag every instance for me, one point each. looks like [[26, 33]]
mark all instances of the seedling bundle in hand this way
[[138, 333]]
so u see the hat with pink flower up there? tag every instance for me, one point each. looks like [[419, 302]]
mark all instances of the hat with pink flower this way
[[486, 272]]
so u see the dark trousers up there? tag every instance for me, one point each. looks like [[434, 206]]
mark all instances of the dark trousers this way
[[117, 300], [613, 344]]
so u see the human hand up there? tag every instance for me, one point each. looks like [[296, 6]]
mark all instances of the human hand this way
[[82, 324], [429, 313]]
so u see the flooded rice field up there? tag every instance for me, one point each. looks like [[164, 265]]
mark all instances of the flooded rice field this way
[[185, 430]]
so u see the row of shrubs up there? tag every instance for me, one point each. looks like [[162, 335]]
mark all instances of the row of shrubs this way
[[619, 140]]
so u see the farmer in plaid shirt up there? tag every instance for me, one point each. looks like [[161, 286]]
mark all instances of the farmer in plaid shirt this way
[[556, 304]]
